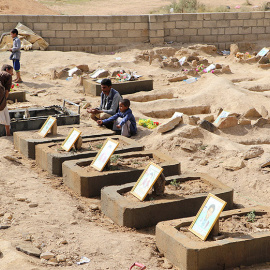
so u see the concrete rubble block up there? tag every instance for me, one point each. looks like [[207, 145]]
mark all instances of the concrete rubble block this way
[[261, 122], [28, 249], [208, 126], [264, 112], [84, 68], [25, 141], [169, 124], [234, 49], [178, 78], [253, 152], [92, 88], [188, 146], [234, 164], [191, 253], [226, 69], [244, 122], [20, 96], [46, 255], [51, 160], [103, 74], [252, 113], [189, 131], [209, 118], [229, 121], [136, 214], [89, 183]]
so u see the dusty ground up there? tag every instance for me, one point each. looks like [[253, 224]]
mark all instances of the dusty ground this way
[[61, 215], [114, 7]]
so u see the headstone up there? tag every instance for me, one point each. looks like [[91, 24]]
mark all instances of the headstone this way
[[28, 249], [208, 126]]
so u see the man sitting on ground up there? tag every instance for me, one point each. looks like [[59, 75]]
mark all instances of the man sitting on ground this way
[[109, 102]]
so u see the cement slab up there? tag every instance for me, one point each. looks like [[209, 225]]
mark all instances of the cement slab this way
[[236, 251], [137, 214], [19, 96], [92, 88], [89, 184], [51, 160], [25, 141]]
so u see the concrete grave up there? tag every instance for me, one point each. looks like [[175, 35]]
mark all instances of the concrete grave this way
[[25, 141], [188, 252], [136, 214], [50, 158], [19, 96], [88, 183], [92, 88], [34, 118]]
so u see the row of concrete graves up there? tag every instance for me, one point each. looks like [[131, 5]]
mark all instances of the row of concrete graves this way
[[113, 170]]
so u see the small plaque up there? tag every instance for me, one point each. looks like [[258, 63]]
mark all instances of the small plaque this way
[[47, 126], [72, 137], [104, 154], [207, 216], [146, 181]]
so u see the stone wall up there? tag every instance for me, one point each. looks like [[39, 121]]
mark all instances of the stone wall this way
[[109, 33]]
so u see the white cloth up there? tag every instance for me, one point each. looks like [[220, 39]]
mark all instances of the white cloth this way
[[125, 129], [4, 117]]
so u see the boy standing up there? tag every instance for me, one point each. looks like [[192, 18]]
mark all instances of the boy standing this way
[[124, 120], [16, 54]]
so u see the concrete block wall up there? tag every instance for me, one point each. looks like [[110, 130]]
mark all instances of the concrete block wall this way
[[109, 33]]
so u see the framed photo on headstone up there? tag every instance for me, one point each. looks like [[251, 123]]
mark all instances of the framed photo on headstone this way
[[207, 216], [146, 181], [263, 52], [70, 140], [45, 129], [104, 154]]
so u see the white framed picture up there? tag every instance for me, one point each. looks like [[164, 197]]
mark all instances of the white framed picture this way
[[45, 129], [72, 137]]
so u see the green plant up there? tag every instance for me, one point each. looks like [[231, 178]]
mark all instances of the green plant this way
[[251, 216], [90, 148], [203, 147], [175, 183], [114, 158], [99, 145]]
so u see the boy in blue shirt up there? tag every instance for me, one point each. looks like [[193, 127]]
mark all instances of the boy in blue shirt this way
[[16, 54], [124, 120]]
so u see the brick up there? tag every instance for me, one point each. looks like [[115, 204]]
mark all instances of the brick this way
[[9, 26], [143, 25], [235, 38], [48, 34], [184, 39], [69, 26], [223, 38], [145, 33], [1, 26], [204, 31], [156, 40], [99, 41], [118, 19], [62, 34], [55, 26], [155, 26], [251, 37], [29, 19], [260, 22], [196, 39], [157, 18], [176, 32], [190, 32], [182, 24], [195, 24], [244, 15], [61, 19], [113, 26], [263, 37], [134, 33], [56, 41], [84, 26], [257, 15], [250, 23], [71, 41], [217, 16], [190, 17], [112, 41], [137, 19], [104, 19], [258, 30], [77, 34], [267, 15], [168, 39], [200, 17], [207, 16], [169, 25], [40, 26], [15, 18], [223, 23], [231, 31], [236, 23], [231, 16], [76, 19], [46, 18], [91, 33], [98, 26], [127, 26], [244, 30], [91, 19], [217, 31], [210, 24], [175, 17], [120, 33], [266, 22], [4, 18], [105, 33], [210, 39]]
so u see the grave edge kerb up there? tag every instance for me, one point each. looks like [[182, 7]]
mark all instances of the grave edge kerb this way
[[171, 228]]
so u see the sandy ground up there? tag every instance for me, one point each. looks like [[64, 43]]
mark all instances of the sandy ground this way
[[61, 215], [114, 7]]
